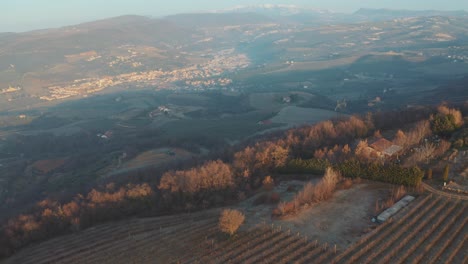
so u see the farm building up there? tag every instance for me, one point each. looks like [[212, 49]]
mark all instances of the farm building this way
[[384, 148], [385, 215]]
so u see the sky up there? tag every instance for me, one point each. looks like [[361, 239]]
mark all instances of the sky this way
[[24, 15]]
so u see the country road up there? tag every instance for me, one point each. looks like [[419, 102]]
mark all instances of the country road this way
[[431, 189]]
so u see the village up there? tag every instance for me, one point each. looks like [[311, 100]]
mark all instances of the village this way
[[198, 76]]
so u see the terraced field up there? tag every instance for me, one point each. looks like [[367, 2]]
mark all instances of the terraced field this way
[[433, 229], [160, 239], [267, 244]]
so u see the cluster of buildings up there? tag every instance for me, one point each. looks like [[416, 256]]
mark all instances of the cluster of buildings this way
[[198, 76], [208, 83], [384, 148], [10, 89]]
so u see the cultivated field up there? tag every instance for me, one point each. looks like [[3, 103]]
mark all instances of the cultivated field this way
[[176, 239], [432, 229], [160, 239]]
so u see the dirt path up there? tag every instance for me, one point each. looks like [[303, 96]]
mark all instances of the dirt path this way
[[431, 189]]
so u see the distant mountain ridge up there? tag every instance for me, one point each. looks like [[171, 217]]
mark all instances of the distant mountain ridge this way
[[217, 19], [388, 14], [307, 15], [275, 10]]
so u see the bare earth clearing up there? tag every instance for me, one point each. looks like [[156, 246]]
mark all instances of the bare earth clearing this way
[[339, 221]]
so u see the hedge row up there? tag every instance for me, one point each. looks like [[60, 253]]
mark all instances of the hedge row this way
[[352, 168]]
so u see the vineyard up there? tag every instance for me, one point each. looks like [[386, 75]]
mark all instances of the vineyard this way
[[433, 229], [165, 239]]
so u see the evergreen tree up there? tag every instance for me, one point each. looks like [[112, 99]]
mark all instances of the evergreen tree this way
[[446, 172]]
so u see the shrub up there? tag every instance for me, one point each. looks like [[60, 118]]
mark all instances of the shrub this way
[[322, 191], [267, 198], [346, 184], [230, 221], [314, 166], [395, 195], [268, 183], [429, 174], [274, 197]]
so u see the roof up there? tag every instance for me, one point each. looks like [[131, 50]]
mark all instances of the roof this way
[[392, 150], [381, 145], [395, 208]]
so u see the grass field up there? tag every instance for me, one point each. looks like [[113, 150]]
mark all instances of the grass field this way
[[293, 115], [274, 101], [156, 157], [232, 127]]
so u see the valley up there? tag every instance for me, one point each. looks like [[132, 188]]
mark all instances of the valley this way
[[124, 139]]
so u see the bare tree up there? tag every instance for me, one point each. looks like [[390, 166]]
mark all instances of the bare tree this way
[[400, 138], [230, 221]]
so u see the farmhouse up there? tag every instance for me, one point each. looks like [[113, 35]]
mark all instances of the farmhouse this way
[[384, 148]]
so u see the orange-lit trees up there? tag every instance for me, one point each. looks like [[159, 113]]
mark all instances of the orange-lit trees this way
[[230, 220]]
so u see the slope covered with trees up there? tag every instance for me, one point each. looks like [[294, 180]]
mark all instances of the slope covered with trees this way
[[221, 181]]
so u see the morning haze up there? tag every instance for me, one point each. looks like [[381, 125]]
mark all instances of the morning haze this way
[[25, 15], [233, 131]]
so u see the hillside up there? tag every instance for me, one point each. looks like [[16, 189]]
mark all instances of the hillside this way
[[389, 14], [212, 20], [125, 137]]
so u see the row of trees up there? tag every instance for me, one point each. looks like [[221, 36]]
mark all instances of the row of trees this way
[[390, 173], [311, 193], [354, 168], [50, 218]]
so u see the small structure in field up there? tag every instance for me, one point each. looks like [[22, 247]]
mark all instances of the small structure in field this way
[[385, 215]]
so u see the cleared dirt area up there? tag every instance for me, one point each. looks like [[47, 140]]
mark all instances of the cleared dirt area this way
[[294, 115], [341, 220]]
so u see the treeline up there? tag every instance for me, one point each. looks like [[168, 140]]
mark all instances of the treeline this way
[[217, 182], [50, 218], [353, 168]]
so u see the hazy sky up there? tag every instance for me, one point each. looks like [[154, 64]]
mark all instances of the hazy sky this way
[[22, 15]]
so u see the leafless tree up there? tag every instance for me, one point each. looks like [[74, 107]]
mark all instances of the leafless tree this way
[[230, 221]]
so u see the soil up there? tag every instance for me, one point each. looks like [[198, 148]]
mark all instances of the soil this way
[[339, 221]]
